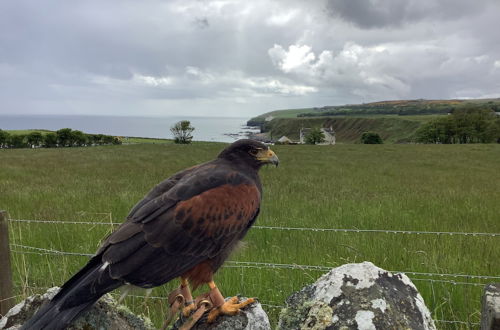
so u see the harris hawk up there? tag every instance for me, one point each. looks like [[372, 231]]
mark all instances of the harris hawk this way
[[185, 227]]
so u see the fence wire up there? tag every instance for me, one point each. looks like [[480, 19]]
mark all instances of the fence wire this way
[[25, 249], [266, 265], [337, 230]]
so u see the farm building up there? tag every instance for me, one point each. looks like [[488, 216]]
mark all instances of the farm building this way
[[328, 132], [285, 140]]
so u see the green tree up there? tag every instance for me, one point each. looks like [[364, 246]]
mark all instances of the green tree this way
[[34, 139], [492, 132], [371, 138], [17, 141], [107, 139], [64, 137], [442, 130], [50, 140], [465, 125], [315, 136], [97, 139], [182, 132], [79, 138], [4, 138]]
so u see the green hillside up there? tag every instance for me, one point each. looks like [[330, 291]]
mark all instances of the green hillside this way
[[395, 121], [348, 130]]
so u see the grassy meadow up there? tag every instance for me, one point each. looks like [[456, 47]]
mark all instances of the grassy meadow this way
[[453, 188]]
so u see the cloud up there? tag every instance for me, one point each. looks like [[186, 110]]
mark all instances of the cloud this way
[[296, 57], [389, 70], [205, 56], [395, 13]]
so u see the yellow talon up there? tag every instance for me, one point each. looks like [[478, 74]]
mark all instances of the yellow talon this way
[[186, 311], [230, 307]]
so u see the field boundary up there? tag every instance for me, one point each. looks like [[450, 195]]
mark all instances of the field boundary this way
[[340, 230], [457, 279]]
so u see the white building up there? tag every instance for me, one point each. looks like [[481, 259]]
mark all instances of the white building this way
[[328, 132]]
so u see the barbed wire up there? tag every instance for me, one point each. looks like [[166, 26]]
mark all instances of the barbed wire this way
[[325, 268], [458, 322], [262, 265], [49, 251], [385, 231], [265, 265], [339, 230], [64, 222], [448, 282]]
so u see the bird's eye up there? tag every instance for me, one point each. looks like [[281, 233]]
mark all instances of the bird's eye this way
[[255, 151]]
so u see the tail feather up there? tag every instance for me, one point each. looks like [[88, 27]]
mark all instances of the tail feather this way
[[76, 295]]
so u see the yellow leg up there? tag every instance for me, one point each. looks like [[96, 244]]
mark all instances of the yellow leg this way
[[230, 307], [188, 302]]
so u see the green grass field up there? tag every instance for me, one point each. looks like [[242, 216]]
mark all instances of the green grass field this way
[[134, 140], [452, 188], [28, 131]]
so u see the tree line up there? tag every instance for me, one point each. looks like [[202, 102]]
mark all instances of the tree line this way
[[410, 109], [65, 137], [468, 125]]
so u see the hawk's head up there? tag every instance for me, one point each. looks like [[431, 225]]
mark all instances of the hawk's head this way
[[252, 152]]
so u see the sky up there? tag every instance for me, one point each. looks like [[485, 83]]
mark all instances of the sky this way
[[241, 58]]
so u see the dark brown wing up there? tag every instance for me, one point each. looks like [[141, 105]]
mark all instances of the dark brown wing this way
[[162, 188], [200, 217]]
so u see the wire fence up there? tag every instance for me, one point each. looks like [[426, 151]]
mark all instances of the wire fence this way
[[266, 265], [447, 278], [338, 230]]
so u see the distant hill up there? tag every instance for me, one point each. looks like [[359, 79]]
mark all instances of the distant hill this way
[[394, 107], [396, 121]]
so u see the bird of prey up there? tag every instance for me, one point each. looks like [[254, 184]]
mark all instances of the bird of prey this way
[[185, 227]]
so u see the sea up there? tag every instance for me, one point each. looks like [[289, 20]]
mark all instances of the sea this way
[[216, 129]]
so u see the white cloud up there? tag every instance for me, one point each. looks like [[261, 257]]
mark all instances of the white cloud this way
[[349, 69], [272, 85], [282, 18], [152, 81], [296, 57]]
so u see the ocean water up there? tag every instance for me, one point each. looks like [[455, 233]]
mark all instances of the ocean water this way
[[220, 129]]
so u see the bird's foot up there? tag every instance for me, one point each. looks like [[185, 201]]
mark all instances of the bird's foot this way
[[200, 306], [231, 307], [188, 309]]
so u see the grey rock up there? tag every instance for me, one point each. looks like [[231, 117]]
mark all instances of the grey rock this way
[[105, 314], [252, 317], [357, 296], [490, 313]]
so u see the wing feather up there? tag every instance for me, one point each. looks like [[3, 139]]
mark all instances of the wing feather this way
[[181, 223]]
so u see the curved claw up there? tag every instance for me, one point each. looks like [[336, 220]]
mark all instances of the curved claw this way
[[202, 306], [188, 309], [230, 307]]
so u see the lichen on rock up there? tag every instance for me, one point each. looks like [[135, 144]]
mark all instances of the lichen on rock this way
[[358, 296], [105, 314], [252, 317]]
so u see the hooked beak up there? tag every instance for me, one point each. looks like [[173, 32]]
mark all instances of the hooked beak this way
[[268, 157]]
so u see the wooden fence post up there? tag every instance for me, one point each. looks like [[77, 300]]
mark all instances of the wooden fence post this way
[[6, 296]]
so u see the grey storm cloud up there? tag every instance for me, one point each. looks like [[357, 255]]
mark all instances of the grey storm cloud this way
[[393, 13], [232, 57]]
